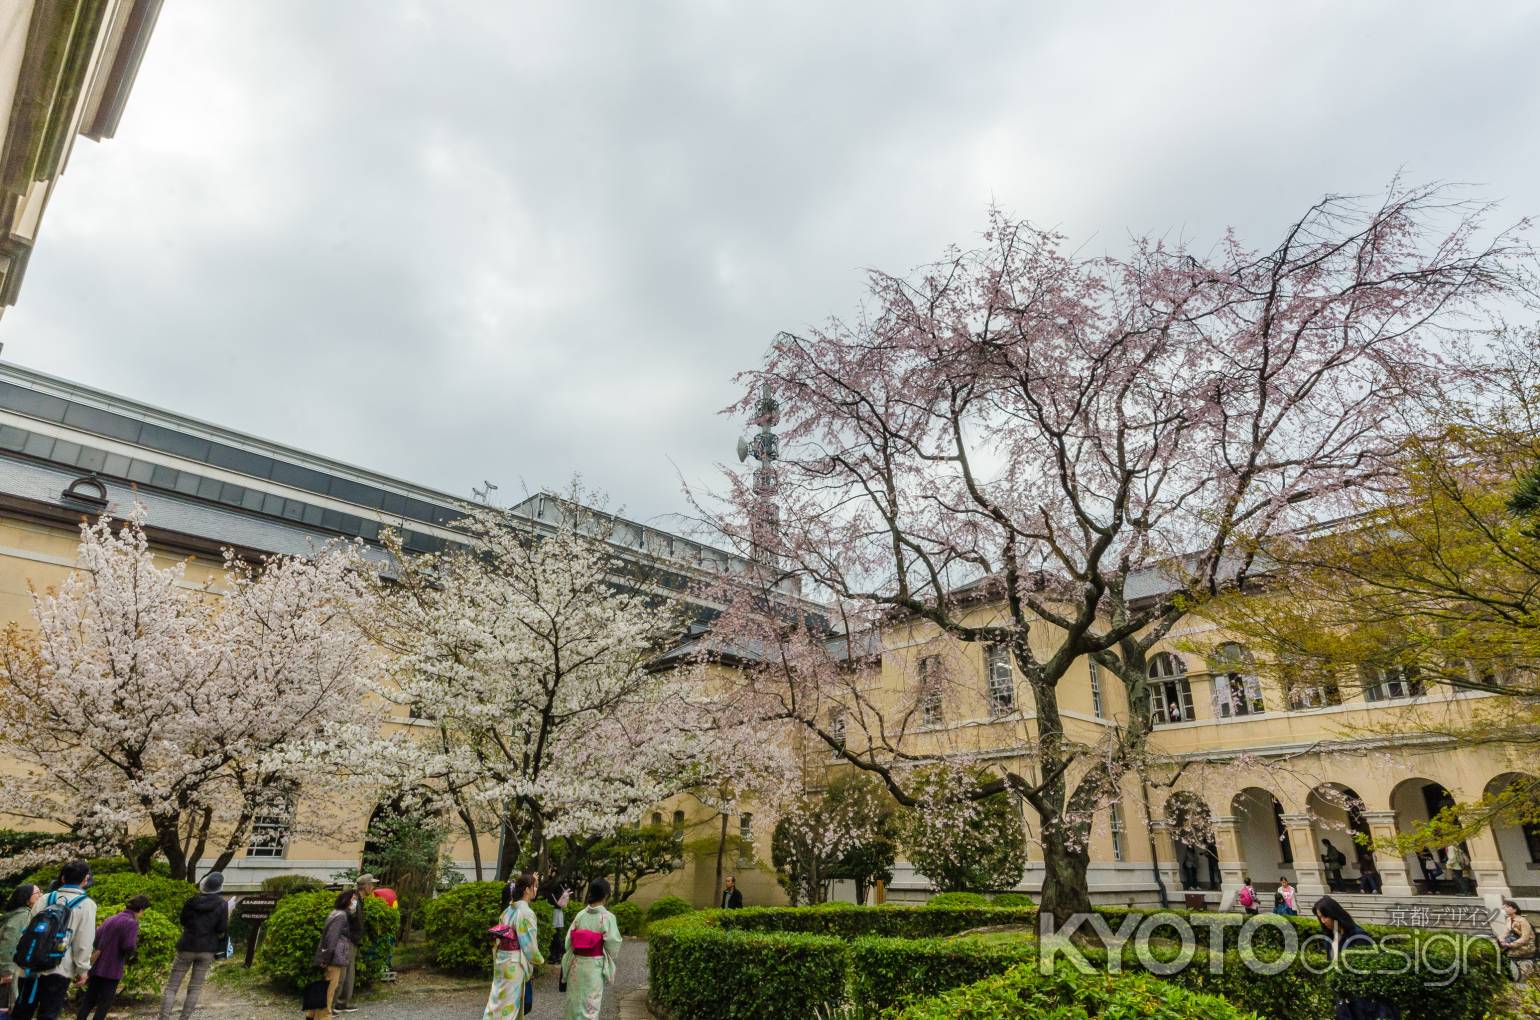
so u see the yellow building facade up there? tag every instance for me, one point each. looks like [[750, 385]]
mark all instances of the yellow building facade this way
[[69, 453], [1245, 779]]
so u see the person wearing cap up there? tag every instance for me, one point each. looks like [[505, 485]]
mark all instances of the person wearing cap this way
[[205, 931], [343, 1002]]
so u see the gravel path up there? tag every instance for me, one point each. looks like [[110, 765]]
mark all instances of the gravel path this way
[[418, 997]]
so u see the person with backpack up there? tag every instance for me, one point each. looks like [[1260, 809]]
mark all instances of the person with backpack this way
[[54, 950], [205, 926], [1246, 896], [18, 911], [593, 940], [1283, 899], [117, 939]]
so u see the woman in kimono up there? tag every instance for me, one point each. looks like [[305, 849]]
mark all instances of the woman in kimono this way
[[593, 940], [514, 967]]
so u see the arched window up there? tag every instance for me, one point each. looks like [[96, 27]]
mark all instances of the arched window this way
[[679, 821], [1170, 692], [1237, 691], [657, 818]]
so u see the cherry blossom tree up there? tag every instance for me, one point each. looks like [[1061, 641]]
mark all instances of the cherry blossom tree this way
[[526, 659], [139, 702], [1060, 456]]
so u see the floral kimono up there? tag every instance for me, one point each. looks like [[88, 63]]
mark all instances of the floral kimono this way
[[513, 968], [587, 975]]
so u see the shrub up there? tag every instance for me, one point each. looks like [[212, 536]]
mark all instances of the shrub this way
[[294, 932], [850, 921], [1023, 993], [958, 899], [455, 923], [629, 917], [1011, 899], [700, 972], [283, 885], [146, 976], [668, 906], [166, 894]]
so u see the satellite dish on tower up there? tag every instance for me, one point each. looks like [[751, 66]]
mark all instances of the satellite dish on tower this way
[[743, 449]]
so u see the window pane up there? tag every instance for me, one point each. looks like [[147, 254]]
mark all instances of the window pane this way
[[90, 460], [157, 437], [244, 461], [12, 438], [141, 471], [163, 476], [32, 403], [299, 477], [105, 423]]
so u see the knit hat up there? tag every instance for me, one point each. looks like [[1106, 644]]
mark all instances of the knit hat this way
[[212, 882]]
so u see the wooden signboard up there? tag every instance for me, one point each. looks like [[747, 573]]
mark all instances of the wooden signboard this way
[[256, 909]]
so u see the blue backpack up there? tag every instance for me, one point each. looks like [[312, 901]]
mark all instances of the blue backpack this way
[[46, 939]]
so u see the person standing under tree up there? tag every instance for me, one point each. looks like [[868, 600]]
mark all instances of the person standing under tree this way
[[205, 933], [732, 899], [41, 995], [593, 942], [18, 910], [517, 951], [335, 948], [116, 941]]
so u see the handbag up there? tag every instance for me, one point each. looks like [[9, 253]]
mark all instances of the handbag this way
[[529, 998], [314, 996]]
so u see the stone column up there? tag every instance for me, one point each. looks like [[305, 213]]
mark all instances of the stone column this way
[[1486, 861], [1311, 876], [1232, 860], [1165, 858], [1394, 874]]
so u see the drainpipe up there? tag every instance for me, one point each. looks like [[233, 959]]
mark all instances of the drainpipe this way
[[1160, 883]]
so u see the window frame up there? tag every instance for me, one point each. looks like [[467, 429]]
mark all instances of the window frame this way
[[1000, 691], [932, 705]]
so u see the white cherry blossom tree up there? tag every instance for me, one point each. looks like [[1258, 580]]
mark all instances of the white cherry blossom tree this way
[[138, 703], [527, 659]]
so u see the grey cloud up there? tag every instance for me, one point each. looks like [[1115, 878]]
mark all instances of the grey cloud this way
[[456, 241]]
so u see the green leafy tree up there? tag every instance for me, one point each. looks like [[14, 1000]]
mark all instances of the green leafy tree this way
[[625, 856]]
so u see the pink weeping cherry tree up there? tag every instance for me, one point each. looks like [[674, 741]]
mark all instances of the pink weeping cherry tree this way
[[1060, 456]]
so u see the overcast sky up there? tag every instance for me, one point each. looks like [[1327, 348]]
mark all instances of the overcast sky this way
[[455, 241]]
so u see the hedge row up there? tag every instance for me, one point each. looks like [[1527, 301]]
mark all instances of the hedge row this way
[[1022, 993], [689, 955]]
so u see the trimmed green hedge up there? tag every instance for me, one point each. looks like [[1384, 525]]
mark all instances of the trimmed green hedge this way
[[885, 972], [698, 971], [958, 899], [455, 923], [293, 932], [1011, 899], [146, 976], [1022, 993], [668, 906], [689, 954]]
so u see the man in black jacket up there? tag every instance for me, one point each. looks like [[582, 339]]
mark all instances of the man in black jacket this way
[[732, 899], [205, 927]]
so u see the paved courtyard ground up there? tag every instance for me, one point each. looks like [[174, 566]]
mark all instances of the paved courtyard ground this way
[[420, 996]]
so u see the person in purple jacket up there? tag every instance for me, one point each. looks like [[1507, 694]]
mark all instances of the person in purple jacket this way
[[116, 938]]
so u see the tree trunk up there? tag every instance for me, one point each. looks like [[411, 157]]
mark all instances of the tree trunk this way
[[1065, 889], [470, 828], [716, 897]]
